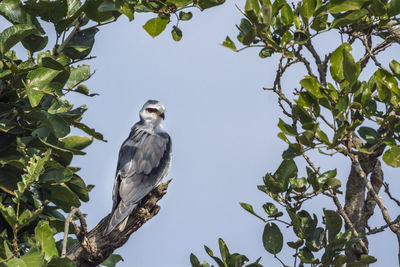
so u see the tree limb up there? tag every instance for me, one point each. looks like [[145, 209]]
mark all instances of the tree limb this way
[[102, 246]]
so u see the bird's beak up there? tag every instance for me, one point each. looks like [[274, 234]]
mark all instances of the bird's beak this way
[[162, 115]]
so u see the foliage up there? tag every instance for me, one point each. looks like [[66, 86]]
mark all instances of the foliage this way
[[328, 113], [37, 182]]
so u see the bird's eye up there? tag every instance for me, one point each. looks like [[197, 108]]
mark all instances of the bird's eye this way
[[150, 110]]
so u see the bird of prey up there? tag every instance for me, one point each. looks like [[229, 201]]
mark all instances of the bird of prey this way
[[144, 160]]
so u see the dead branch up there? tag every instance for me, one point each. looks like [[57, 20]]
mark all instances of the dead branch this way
[[102, 246]]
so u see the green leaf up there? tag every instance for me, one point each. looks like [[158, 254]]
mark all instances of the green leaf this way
[[338, 6], [35, 42], [312, 86], [336, 62], [27, 217], [378, 7], [126, 8], [112, 260], [306, 256], [286, 128], [308, 8], [393, 8], [368, 134], [385, 84], [44, 235], [204, 4], [300, 37], [323, 179], [51, 11], [265, 16], [247, 32], [323, 137], [93, 12], [78, 75], [252, 9], [319, 23], [392, 156], [266, 52], [249, 208], [333, 224], [211, 254], [300, 184], [88, 130], [9, 215], [286, 170], [297, 244], [272, 238], [271, 210], [317, 240], [395, 67], [223, 250], [365, 260], [63, 197], [64, 262], [194, 260], [156, 26], [56, 175], [229, 44], [180, 3], [81, 44], [176, 34], [12, 11], [78, 186], [76, 142], [185, 15], [287, 15], [13, 35], [32, 258], [349, 18], [53, 121], [42, 81], [351, 70]]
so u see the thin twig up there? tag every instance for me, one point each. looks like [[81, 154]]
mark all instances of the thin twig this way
[[276, 257], [79, 60], [318, 62], [70, 36], [372, 55], [386, 185], [305, 62], [382, 228]]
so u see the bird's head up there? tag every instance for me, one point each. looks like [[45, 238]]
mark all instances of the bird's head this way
[[152, 112]]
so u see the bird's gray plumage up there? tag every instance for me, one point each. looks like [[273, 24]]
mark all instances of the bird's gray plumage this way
[[144, 159]]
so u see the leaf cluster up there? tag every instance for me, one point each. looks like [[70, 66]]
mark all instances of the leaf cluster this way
[[38, 185], [334, 111]]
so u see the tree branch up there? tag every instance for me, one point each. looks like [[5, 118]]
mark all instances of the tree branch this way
[[102, 246], [321, 67], [386, 185], [80, 233], [382, 228]]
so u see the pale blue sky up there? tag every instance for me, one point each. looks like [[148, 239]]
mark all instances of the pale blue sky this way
[[223, 129]]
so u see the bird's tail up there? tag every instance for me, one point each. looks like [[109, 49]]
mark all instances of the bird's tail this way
[[119, 216]]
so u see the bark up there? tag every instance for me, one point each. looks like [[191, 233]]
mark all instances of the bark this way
[[360, 206], [354, 208], [96, 247]]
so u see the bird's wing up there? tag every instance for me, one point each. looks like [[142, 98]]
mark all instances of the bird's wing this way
[[142, 161]]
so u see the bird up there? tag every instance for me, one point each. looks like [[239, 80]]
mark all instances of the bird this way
[[144, 160]]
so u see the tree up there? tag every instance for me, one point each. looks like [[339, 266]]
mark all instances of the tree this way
[[38, 184], [335, 111]]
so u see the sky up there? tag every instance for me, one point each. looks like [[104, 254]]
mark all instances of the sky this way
[[223, 128]]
